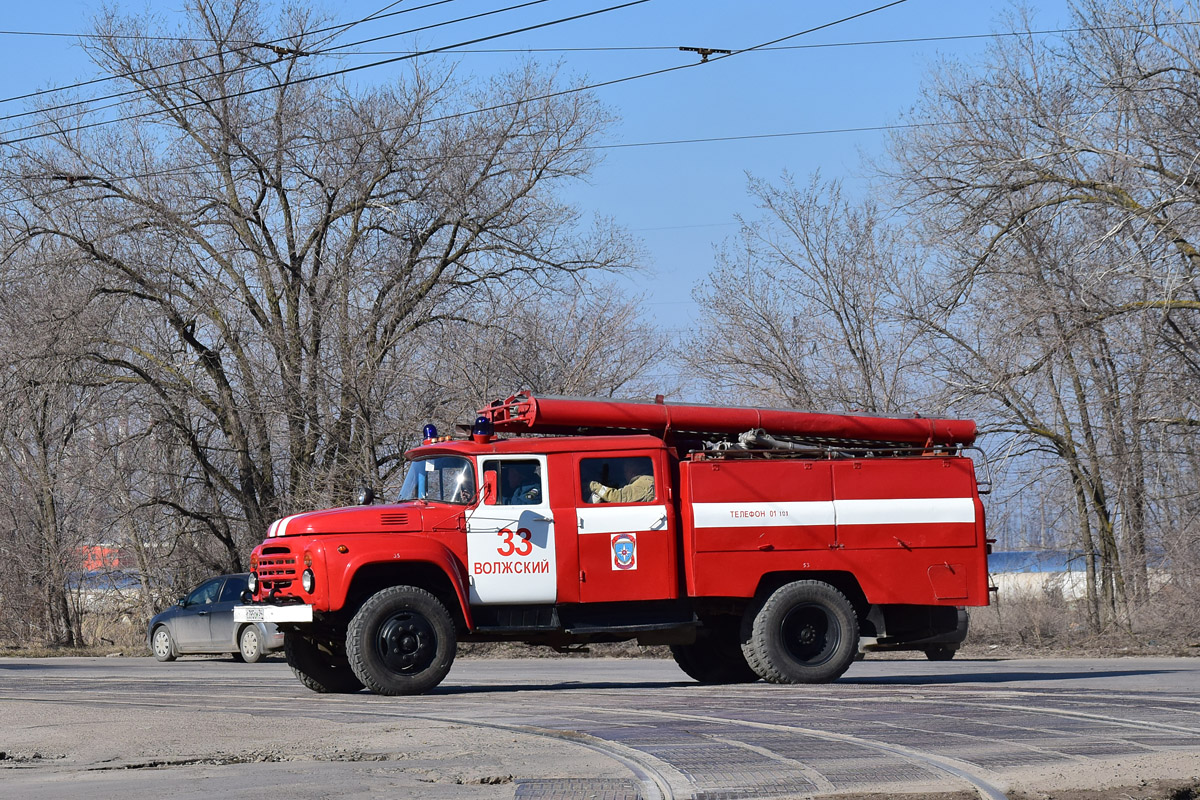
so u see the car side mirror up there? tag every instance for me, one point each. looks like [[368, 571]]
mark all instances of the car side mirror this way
[[181, 602], [489, 488]]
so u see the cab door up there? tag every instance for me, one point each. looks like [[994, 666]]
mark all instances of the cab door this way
[[625, 539], [510, 535]]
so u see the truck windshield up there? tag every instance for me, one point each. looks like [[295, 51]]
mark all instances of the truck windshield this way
[[446, 479]]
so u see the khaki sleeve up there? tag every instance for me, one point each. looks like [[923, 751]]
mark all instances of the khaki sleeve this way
[[640, 490]]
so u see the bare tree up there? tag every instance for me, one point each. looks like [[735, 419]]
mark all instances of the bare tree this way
[[269, 244], [803, 309], [1058, 185], [590, 342], [46, 405]]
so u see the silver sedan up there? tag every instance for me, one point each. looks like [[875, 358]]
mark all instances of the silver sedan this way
[[202, 622]]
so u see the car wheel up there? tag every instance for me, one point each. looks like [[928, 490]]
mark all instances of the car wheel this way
[[318, 666], [803, 632], [940, 652], [160, 644], [715, 657], [250, 646], [401, 641]]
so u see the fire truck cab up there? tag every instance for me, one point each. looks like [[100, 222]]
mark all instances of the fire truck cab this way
[[756, 543]]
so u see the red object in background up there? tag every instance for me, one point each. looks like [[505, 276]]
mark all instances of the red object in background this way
[[99, 557]]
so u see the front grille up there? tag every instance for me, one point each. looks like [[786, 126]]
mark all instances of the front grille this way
[[277, 567]]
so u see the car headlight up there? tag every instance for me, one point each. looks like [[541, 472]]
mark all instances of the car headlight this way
[[307, 580], [252, 583]]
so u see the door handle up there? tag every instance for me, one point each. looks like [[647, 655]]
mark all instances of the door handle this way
[[201, 613], [659, 523]]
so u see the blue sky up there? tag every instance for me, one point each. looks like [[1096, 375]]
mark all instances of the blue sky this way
[[679, 199]]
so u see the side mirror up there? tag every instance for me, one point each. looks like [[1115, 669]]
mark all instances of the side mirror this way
[[366, 496], [181, 602], [489, 488]]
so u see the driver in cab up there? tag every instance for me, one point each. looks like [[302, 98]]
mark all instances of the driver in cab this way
[[521, 485]]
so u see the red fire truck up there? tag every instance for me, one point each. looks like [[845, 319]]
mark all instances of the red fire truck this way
[[757, 543]]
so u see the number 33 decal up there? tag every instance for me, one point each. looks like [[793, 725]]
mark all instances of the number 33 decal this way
[[521, 547]]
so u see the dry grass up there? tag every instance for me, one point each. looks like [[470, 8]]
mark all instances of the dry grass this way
[[49, 651], [1046, 623]]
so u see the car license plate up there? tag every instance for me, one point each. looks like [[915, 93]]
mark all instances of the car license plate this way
[[269, 613], [249, 613]]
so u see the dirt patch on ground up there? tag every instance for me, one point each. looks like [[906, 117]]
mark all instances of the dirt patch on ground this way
[[1144, 790]]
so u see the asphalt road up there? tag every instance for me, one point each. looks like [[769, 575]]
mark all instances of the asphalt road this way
[[567, 729]]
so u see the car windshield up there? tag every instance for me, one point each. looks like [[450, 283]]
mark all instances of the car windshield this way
[[446, 479]]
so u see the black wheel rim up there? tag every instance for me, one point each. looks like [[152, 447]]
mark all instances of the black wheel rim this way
[[406, 642], [809, 634]]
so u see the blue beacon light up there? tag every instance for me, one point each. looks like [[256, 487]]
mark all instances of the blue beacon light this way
[[430, 431], [482, 430]]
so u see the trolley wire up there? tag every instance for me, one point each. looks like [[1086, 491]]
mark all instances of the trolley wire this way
[[341, 27], [339, 72], [345, 49], [234, 71], [108, 180], [814, 46]]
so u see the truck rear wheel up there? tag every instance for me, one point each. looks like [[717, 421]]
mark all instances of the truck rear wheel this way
[[716, 656], [803, 632], [941, 652], [401, 641], [318, 667]]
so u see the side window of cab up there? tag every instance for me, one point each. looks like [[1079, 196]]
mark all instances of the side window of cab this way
[[518, 481], [625, 479]]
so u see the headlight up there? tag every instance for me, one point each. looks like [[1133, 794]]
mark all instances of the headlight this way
[[252, 583], [307, 580]]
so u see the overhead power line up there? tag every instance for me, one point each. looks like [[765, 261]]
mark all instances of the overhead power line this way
[[345, 50], [108, 181], [184, 168], [340, 27], [341, 50], [345, 70], [244, 68], [380, 14], [132, 37]]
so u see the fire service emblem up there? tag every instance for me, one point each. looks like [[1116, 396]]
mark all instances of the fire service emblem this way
[[624, 549]]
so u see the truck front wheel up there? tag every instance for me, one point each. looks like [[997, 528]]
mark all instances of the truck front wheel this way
[[401, 641], [803, 632], [317, 666]]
